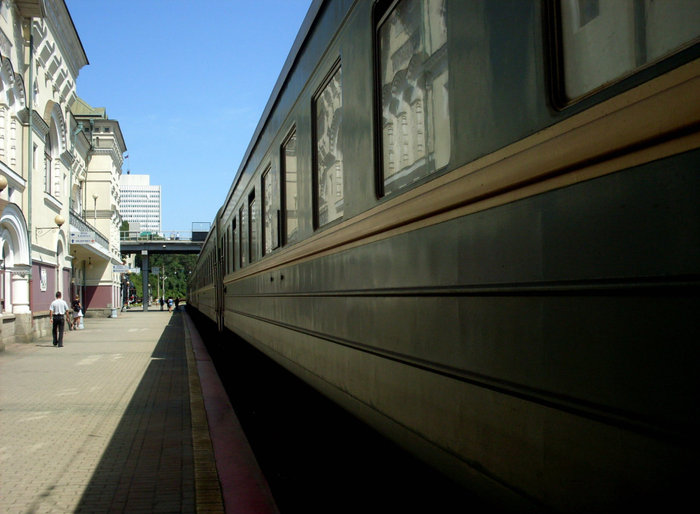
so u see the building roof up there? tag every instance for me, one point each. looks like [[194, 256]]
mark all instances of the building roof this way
[[81, 108]]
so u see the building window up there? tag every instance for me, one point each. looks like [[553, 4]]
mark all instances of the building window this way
[[48, 163], [328, 162]]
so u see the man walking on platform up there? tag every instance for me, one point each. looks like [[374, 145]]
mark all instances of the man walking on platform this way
[[57, 315]]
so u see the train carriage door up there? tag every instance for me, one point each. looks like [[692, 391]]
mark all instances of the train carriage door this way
[[219, 283]]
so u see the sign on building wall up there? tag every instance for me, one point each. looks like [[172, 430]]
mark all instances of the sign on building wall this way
[[43, 281], [80, 238]]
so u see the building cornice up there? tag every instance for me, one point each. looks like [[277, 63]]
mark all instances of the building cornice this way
[[40, 126], [30, 8], [16, 83], [65, 35], [67, 158], [112, 151]]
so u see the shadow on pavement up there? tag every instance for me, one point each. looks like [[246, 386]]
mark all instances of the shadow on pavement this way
[[148, 464]]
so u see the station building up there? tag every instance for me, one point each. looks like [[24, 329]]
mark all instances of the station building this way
[[98, 211], [60, 162]]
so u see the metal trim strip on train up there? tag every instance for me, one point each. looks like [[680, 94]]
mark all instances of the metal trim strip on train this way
[[476, 226]]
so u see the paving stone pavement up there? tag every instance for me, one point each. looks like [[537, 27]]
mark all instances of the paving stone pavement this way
[[102, 424]]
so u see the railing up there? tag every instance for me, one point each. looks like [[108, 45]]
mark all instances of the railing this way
[[78, 222], [173, 235]]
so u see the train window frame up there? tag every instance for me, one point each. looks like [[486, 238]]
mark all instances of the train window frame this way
[[227, 250], [233, 243], [381, 13], [252, 226], [336, 67], [221, 256], [638, 74], [221, 253], [284, 193], [242, 250], [274, 240]]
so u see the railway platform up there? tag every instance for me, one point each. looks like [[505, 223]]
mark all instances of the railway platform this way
[[129, 416]]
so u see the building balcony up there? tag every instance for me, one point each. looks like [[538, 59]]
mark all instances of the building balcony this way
[[98, 245]]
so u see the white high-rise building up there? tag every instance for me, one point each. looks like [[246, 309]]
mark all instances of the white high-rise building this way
[[140, 202]]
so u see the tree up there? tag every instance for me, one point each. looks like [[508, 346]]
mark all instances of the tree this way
[[177, 269]]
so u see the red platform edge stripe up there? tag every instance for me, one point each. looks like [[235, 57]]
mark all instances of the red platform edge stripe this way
[[243, 485]]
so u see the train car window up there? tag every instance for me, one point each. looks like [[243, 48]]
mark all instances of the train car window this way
[[232, 249], [243, 236], [220, 264], [328, 161], [603, 41], [229, 254], [252, 233], [413, 91], [221, 255], [289, 167], [227, 249], [270, 205]]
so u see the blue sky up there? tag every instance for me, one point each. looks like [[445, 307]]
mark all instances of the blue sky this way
[[187, 81]]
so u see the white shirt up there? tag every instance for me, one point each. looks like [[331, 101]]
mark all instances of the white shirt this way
[[58, 306]]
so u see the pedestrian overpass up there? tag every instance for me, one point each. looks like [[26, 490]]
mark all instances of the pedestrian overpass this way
[[173, 242], [159, 246]]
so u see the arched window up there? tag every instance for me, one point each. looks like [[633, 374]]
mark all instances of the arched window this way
[[52, 150], [48, 164]]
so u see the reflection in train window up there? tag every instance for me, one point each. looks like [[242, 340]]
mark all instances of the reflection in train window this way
[[233, 244], [328, 121], [289, 163], [221, 257], [413, 72], [224, 253], [243, 236], [270, 205], [252, 233], [227, 251], [605, 40]]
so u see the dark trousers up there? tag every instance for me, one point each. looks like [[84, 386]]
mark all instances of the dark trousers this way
[[57, 329]]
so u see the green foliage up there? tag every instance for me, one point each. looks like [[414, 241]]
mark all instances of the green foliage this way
[[177, 271]]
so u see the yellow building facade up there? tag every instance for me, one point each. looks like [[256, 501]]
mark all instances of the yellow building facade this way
[[59, 177]]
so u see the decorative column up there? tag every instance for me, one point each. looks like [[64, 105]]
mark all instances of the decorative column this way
[[20, 293]]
